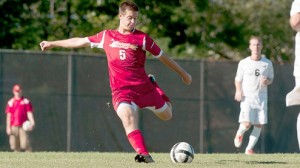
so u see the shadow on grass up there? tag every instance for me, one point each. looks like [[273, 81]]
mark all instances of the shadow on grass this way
[[250, 162]]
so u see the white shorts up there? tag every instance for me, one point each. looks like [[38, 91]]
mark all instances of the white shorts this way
[[254, 111]]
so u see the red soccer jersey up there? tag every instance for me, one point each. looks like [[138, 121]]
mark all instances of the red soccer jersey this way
[[126, 55], [18, 110]]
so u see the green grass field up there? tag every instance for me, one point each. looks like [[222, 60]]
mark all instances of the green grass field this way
[[94, 159]]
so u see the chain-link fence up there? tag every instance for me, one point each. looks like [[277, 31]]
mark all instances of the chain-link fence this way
[[72, 103]]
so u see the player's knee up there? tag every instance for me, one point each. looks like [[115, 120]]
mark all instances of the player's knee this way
[[167, 117], [24, 145], [128, 121], [258, 125], [247, 125]]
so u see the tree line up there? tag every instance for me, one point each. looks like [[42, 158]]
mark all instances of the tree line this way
[[191, 29]]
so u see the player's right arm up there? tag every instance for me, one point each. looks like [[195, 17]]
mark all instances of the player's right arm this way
[[238, 91], [238, 82], [76, 42], [8, 117], [8, 126]]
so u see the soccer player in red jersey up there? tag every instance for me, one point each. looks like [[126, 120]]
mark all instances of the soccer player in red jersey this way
[[19, 110], [125, 48]]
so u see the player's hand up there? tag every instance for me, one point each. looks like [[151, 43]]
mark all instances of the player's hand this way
[[187, 79], [8, 130], [45, 45], [238, 96], [32, 125], [264, 81]]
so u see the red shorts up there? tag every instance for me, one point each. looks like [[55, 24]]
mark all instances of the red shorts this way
[[155, 98]]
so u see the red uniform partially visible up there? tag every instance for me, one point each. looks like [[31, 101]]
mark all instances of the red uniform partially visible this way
[[131, 87], [126, 56], [18, 110]]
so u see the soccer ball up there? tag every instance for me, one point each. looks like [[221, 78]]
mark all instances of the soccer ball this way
[[182, 152], [26, 125]]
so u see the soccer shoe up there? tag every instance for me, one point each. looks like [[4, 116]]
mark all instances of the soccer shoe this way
[[238, 140], [160, 91], [152, 78], [293, 98], [249, 152], [143, 159]]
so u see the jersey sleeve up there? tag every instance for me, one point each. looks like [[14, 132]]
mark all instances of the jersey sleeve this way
[[29, 107], [295, 7], [9, 106], [240, 72], [150, 46], [97, 40], [7, 109]]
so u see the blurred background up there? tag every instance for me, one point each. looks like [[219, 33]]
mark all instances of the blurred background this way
[[211, 29], [70, 90]]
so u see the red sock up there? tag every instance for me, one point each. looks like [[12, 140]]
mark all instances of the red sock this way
[[137, 142]]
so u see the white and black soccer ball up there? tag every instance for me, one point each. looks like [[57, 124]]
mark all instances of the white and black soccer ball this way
[[182, 152], [26, 125]]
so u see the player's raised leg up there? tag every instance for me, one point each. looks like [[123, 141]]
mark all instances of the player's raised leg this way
[[293, 97], [164, 112], [128, 113], [245, 124]]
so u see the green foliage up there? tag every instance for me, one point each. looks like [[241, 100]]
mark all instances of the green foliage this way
[[214, 29], [15, 24]]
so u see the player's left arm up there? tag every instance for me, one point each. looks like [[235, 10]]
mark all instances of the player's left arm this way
[[268, 79], [31, 119], [30, 116], [170, 63]]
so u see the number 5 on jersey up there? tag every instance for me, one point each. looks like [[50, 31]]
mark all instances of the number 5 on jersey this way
[[122, 54]]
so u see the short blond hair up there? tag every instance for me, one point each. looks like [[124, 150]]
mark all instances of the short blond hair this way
[[257, 38], [128, 5]]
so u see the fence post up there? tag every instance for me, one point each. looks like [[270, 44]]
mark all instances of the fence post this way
[[69, 102], [201, 106], [1, 80]]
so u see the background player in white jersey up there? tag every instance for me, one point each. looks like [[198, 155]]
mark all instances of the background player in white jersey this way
[[253, 75], [293, 98]]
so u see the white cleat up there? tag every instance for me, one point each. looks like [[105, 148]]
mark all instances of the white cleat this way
[[293, 97], [249, 152], [238, 140]]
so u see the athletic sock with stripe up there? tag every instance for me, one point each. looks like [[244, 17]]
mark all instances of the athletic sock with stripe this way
[[253, 137]]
